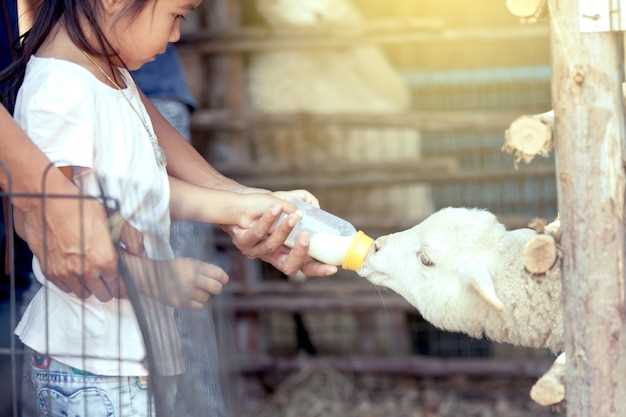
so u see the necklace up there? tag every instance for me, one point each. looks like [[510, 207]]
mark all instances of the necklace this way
[[156, 148]]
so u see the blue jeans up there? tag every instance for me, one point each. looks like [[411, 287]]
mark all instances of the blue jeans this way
[[176, 113], [64, 391]]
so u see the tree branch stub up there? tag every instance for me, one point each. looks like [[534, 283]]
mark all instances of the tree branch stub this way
[[529, 136], [550, 388], [540, 254], [528, 11]]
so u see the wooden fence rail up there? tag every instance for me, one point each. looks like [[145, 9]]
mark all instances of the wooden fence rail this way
[[259, 39], [406, 366]]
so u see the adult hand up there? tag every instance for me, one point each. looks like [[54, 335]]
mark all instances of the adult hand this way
[[83, 264]]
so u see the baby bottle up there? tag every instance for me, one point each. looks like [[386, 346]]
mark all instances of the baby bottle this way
[[333, 240]]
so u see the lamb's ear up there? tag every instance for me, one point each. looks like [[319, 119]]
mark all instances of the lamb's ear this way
[[479, 280]]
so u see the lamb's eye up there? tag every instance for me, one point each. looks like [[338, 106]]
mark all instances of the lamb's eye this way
[[425, 260]]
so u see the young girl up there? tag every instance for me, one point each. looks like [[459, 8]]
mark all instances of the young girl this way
[[80, 106]]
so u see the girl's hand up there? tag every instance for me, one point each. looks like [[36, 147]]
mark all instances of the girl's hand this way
[[261, 240], [180, 283], [196, 282], [250, 207], [303, 195]]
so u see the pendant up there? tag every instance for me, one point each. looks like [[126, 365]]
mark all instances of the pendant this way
[[160, 155]]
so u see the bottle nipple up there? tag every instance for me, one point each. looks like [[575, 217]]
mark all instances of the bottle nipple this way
[[357, 252]]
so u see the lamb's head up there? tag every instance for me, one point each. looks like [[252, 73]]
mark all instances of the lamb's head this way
[[441, 266], [308, 13]]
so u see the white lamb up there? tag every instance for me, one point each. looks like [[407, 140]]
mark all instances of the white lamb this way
[[464, 272]]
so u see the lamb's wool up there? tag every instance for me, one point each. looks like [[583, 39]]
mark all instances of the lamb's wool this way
[[463, 245]]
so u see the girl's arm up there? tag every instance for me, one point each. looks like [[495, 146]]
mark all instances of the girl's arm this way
[[257, 241], [183, 161], [191, 202]]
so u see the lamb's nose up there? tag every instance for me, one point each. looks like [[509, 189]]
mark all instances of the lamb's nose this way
[[379, 243]]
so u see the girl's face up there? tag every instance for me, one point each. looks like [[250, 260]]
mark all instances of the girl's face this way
[[139, 38]]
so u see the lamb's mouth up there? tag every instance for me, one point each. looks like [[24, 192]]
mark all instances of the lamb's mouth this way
[[383, 280], [376, 278]]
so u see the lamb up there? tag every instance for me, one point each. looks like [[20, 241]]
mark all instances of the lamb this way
[[463, 271]]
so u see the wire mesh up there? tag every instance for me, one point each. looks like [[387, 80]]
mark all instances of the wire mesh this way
[[183, 376]]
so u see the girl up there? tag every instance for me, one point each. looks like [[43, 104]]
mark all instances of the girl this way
[[80, 106]]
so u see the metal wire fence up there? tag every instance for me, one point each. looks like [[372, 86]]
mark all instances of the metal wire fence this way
[[183, 375]]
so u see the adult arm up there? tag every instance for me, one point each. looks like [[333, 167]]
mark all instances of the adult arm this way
[[63, 254]]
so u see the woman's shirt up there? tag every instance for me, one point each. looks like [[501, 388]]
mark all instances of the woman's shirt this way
[[164, 78], [77, 120]]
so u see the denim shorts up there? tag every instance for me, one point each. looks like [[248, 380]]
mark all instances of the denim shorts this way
[[64, 391]]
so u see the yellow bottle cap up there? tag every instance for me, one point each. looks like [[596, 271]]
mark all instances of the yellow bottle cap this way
[[359, 248]]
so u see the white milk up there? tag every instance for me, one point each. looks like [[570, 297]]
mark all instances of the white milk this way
[[330, 236], [329, 249]]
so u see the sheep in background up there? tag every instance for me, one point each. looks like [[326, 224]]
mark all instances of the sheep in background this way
[[464, 272], [356, 79], [309, 13], [326, 81]]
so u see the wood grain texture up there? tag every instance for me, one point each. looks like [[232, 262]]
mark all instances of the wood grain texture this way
[[589, 130]]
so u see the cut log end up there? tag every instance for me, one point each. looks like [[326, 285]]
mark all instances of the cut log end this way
[[550, 388], [548, 391], [528, 137], [540, 254]]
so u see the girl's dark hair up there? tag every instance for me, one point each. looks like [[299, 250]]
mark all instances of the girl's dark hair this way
[[69, 13]]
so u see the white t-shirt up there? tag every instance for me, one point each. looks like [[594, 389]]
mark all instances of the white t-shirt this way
[[77, 120]]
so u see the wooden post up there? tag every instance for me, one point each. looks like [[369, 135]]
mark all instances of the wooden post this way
[[226, 70], [226, 82], [589, 129]]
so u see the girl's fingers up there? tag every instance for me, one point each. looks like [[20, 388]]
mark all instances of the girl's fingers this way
[[308, 197], [194, 305], [214, 272], [246, 239], [281, 200], [209, 280], [303, 195], [200, 296], [277, 237], [209, 286], [287, 207]]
